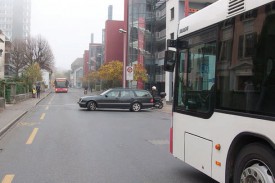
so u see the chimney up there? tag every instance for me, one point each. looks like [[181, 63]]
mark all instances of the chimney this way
[[110, 12], [92, 38]]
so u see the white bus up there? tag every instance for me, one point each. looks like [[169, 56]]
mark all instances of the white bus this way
[[223, 120]]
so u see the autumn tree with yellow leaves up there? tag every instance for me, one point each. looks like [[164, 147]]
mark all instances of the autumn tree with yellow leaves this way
[[140, 73], [91, 79], [111, 73], [32, 74]]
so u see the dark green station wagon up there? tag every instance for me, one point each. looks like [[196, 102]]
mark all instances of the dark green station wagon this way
[[120, 98]]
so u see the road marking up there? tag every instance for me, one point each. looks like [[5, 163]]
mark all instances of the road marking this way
[[47, 108], [8, 178], [51, 100], [31, 138], [42, 116], [27, 124]]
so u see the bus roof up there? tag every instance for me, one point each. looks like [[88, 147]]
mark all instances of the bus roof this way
[[216, 12]]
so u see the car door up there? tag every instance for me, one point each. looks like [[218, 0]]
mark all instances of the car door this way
[[126, 98], [110, 99], [144, 97]]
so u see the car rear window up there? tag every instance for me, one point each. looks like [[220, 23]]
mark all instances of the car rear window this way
[[143, 94]]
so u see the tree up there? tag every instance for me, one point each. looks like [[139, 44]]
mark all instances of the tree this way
[[38, 50], [112, 73], [90, 79], [140, 73], [93, 77], [33, 74], [17, 55]]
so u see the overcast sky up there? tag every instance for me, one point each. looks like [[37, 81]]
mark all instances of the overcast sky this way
[[67, 25]]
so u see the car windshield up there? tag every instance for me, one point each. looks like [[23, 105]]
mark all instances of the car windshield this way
[[105, 92]]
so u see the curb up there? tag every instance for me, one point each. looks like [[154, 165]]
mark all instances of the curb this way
[[8, 126]]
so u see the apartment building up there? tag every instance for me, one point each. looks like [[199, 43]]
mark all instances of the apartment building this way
[[15, 18], [6, 66], [77, 73]]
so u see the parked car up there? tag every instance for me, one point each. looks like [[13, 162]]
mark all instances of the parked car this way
[[121, 98]]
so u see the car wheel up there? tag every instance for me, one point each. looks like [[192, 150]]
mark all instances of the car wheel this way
[[136, 107], [255, 163], [91, 106]]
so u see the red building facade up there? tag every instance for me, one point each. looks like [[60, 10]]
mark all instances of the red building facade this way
[[86, 62], [113, 41]]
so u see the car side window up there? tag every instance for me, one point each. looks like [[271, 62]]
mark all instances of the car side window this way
[[127, 94], [143, 94], [113, 93]]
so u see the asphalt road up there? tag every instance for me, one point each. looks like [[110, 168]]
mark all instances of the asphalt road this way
[[57, 142]]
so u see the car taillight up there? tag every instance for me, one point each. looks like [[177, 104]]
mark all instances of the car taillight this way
[[152, 100]]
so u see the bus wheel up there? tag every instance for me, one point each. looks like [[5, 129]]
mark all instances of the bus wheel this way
[[91, 106], [255, 163], [136, 107]]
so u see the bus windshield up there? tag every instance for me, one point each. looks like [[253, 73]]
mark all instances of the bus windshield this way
[[61, 84]]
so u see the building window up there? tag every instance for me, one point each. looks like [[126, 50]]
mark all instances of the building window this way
[[172, 12], [172, 36], [247, 45]]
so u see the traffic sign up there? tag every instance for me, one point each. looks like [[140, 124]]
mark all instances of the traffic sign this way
[[129, 73]]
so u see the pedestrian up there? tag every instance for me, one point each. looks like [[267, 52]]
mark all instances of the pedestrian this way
[[85, 90], [33, 92], [154, 91], [38, 89]]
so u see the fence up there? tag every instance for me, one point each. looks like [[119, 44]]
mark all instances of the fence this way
[[12, 92]]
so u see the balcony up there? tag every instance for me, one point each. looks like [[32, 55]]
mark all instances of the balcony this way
[[161, 14], [161, 35], [160, 55], [161, 17]]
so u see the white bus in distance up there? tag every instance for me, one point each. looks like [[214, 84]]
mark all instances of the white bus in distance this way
[[223, 120]]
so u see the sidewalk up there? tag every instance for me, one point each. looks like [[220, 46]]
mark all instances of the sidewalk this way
[[167, 108], [13, 112]]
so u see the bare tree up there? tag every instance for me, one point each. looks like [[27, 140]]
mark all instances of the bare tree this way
[[38, 50], [17, 55]]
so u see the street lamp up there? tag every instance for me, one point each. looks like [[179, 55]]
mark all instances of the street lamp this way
[[124, 56], [122, 31]]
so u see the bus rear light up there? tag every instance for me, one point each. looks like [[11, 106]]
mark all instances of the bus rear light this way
[[218, 147], [218, 163], [171, 140]]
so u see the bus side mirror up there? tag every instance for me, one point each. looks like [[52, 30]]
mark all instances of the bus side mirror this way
[[169, 60]]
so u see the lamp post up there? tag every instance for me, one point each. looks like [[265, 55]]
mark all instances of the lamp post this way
[[88, 76], [124, 56]]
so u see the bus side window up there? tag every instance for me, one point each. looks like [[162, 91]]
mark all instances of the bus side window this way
[[201, 77], [265, 58]]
